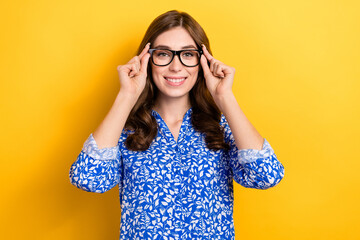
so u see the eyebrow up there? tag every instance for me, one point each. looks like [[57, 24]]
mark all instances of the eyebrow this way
[[167, 47]]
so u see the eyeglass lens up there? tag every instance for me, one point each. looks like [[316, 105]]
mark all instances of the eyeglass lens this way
[[164, 57]]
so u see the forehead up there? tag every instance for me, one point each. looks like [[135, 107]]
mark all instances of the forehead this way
[[175, 39]]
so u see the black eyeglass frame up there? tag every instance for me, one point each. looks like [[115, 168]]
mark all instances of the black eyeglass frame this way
[[174, 53]]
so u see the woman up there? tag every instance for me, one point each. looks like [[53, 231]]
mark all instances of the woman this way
[[168, 146]]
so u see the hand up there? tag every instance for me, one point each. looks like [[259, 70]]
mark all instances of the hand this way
[[219, 77], [133, 74]]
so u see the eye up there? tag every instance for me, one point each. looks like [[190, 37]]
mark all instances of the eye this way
[[162, 53], [188, 54]]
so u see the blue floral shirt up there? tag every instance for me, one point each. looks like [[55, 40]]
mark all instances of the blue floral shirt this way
[[175, 189]]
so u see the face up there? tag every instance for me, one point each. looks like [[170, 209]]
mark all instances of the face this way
[[174, 80]]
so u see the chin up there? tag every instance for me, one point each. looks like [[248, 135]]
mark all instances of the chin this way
[[174, 94]]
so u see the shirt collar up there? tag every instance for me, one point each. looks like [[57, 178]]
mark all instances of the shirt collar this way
[[187, 115], [163, 128]]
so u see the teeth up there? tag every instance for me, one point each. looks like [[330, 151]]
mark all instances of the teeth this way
[[177, 80]]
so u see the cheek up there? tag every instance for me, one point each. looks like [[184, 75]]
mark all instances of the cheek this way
[[195, 73], [154, 69], [156, 72]]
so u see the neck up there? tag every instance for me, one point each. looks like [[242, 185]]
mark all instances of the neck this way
[[172, 108]]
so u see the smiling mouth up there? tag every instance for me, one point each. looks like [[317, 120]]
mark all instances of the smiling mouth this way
[[175, 80]]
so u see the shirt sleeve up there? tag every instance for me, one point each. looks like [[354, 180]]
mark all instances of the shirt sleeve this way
[[253, 168], [96, 170]]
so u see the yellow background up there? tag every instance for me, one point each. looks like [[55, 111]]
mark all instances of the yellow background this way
[[297, 80]]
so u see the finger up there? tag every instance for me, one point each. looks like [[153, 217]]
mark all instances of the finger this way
[[216, 70], [204, 65], [228, 71], [137, 64], [124, 70], [145, 50], [212, 65], [133, 70], [134, 60], [219, 70], [206, 53], [144, 63]]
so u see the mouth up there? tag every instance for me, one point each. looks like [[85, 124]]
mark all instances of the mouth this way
[[175, 81]]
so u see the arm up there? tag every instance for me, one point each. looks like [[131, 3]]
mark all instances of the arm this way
[[245, 134], [219, 80], [253, 168], [98, 166], [132, 80], [108, 132], [252, 159], [96, 170]]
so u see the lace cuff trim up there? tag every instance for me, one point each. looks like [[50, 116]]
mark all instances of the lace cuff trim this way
[[90, 148], [251, 155]]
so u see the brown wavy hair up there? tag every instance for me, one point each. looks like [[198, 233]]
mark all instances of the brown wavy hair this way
[[205, 116]]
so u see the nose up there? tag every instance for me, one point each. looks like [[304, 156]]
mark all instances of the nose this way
[[175, 65]]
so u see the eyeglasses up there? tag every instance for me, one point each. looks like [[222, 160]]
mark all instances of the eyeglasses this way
[[163, 57]]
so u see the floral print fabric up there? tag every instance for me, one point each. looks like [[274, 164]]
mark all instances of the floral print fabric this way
[[175, 189]]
